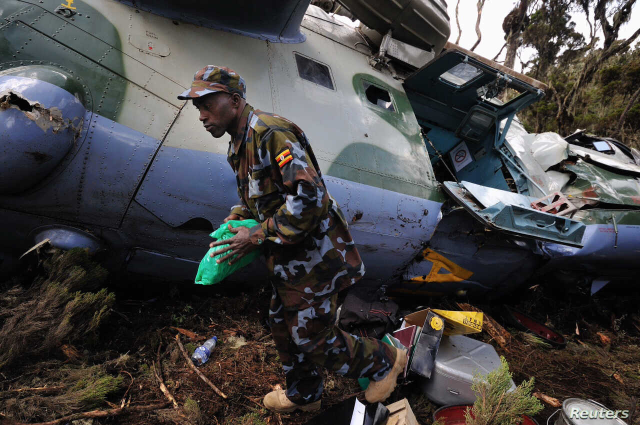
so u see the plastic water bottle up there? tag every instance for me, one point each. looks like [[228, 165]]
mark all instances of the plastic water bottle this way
[[202, 353]]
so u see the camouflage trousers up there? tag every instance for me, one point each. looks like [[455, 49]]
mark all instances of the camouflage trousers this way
[[308, 339]]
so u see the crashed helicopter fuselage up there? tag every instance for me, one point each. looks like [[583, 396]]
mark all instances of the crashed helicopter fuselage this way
[[99, 152]]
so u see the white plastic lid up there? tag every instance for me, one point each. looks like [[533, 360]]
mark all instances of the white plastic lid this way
[[577, 411]]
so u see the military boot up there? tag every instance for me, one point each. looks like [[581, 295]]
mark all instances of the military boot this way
[[277, 401], [381, 390]]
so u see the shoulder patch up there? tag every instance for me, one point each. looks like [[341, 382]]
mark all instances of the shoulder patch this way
[[284, 157], [254, 120]]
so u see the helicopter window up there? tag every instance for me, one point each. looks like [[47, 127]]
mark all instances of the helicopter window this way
[[378, 96], [313, 71], [461, 74]]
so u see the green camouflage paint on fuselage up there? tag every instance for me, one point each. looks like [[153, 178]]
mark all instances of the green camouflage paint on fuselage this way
[[409, 175], [404, 120], [85, 46], [388, 176]]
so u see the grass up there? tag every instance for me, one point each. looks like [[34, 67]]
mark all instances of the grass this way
[[253, 418]]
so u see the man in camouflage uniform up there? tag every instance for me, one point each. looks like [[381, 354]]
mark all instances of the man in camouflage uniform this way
[[310, 254]]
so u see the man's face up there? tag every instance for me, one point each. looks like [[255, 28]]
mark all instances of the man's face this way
[[217, 111]]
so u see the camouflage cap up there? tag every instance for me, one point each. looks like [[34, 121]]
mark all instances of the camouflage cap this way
[[214, 79]]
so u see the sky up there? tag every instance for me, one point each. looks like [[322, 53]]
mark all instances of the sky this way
[[493, 14]]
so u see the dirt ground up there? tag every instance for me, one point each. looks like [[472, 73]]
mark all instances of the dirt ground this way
[[137, 332]]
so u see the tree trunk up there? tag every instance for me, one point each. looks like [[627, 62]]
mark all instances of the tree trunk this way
[[626, 110], [609, 30], [458, 24], [514, 34], [480, 6]]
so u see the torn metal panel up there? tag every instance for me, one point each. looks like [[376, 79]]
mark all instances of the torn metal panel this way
[[517, 220], [488, 196], [594, 184], [605, 160], [45, 118], [39, 124]]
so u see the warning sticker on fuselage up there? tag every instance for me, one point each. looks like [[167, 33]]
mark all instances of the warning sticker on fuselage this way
[[460, 156]]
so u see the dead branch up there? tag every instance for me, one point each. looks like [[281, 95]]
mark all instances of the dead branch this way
[[551, 401], [458, 24], [490, 326], [164, 388], [196, 370], [480, 5], [501, 49], [31, 390], [95, 414], [124, 397]]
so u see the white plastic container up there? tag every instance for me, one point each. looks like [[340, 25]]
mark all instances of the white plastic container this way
[[457, 359]]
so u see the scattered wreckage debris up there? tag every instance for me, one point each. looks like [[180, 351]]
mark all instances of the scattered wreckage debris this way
[[526, 323], [493, 328], [101, 380]]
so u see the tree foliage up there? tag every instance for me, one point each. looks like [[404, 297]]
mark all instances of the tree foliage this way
[[495, 405], [592, 85]]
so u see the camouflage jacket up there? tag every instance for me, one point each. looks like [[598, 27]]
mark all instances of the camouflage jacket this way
[[309, 250]]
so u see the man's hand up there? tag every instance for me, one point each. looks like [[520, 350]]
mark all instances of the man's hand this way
[[233, 217], [239, 245]]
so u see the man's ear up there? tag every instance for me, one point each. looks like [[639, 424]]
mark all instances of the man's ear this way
[[235, 100]]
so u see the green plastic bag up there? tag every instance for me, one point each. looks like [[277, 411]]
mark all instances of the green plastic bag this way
[[210, 272]]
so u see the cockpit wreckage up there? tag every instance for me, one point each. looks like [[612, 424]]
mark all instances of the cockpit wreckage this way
[[418, 140]]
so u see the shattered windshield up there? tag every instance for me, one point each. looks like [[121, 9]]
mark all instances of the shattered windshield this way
[[461, 74]]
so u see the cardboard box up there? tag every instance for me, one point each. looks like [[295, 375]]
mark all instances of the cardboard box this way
[[400, 413]]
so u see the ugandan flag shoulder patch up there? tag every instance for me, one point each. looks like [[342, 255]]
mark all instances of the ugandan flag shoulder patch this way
[[284, 157]]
